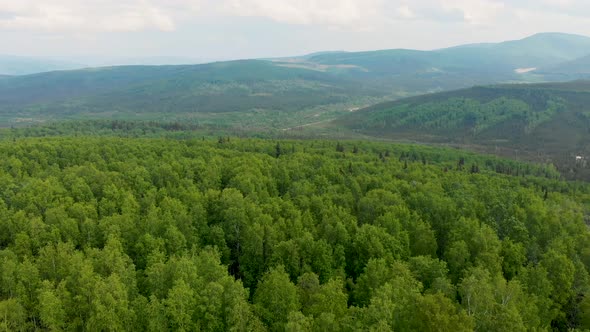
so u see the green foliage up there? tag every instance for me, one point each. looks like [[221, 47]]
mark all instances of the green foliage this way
[[275, 298], [118, 234]]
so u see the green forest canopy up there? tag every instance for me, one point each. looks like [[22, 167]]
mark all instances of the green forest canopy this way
[[102, 234]]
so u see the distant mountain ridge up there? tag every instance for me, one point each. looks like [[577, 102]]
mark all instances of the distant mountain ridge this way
[[19, 65], [26, 65], [535, 51], [283, 85], [553, 46]]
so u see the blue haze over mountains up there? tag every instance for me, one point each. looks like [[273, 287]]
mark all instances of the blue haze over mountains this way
[[285, 84]]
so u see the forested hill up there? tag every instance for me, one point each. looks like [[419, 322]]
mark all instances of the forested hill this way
[[346, 79], [247, 235], [474, 63], [218, 87], [579, 67], [546, 122]]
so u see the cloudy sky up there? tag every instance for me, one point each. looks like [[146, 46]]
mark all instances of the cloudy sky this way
[[229, 29]]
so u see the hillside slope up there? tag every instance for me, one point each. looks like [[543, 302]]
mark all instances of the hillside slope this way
[[217, 87], [578, 68], [543, 121]]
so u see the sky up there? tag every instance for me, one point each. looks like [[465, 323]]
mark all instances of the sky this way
[[237, 29]]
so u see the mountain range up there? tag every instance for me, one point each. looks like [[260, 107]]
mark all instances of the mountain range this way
[[289, 85]]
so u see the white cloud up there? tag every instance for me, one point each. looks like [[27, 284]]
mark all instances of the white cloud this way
[[165, 15], [136, 19], [574, 8], [132, 15], [390, 22], [560, 3], [405, 12], [475, 11], [355, 12], [323, 12], [92, 15]]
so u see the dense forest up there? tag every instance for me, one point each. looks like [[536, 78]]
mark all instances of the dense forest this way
[[228, 234]]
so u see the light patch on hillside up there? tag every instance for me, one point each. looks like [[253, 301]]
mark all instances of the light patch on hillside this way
[[315, 66], [524, 70]]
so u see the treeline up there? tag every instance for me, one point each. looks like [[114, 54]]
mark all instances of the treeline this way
[[449, 158], [123, 128], [113, 234], [466, 115]]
